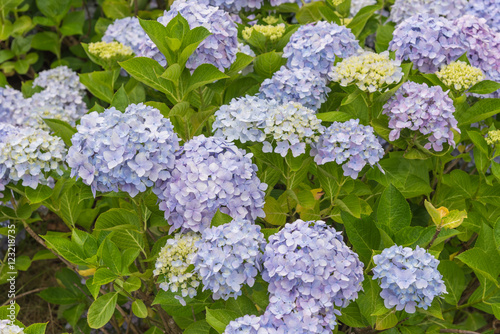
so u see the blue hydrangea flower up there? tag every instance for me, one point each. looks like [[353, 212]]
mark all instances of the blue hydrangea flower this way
[[302, 85], [27, 154], [408, 278], [428, 110], [486, 9], [310, 271], [357, 5], [428, 41], [127, 31], [218, 49], [243, 119], [348, 141], [315, 46], [403, 9], [248, 324], [229, 256], [298, 2], [210, 173], [12, 102], [235, 6], [128, 151]]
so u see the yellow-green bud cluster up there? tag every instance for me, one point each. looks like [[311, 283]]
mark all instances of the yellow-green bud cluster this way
[[271, 32], [337, 2], [110, 51], [460, 75], [270, 20], [493, 137], [173, 262], [368, 70]]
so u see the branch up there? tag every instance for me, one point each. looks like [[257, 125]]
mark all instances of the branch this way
[[22, 295], [460, 331]]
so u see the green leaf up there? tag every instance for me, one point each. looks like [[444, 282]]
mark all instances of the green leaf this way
[[38, 195], [125, 239], [36, 329], [393, 212], [101, 310], [61, 129], [132, 284], [334, 116], [54, 9], [241, 62], [172, 73], [220, 219], [104, 276], [158, 34], [243, 306], [116, 9], [59, 296], [363, 234], [117, 219], [359, 21], [266, 64], [219, 319], [198, 327], [6, 5], [369, 300], [139, 309], [275, 213], [47, 41], [67, 249], [120, 99], [454, 279], [351, 316], [111, 256], [383, 37], [485, 87], [481, 263], [6, 55], [93, 288], [73, 23], [482, 109], [315, 11], [386, 321], [190, 42], [204, 75], [100, 84], [479, 141]]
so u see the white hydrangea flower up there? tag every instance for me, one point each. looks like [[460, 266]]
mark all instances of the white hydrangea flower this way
[[460, 75], [7, 328]]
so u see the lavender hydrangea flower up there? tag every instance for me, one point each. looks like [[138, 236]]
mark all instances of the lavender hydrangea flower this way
[[26, 154], [403, 9], [291, 126], [408, 278], [229, 256], [428, 110], [315, 46], [128, 151], [427, 41], [357, 5], [218, 49], [248, 324], [302, 85], [486, 9], [275, 3], [348, 141], [310, 271], [127, 31], [11, 102], [210, 173], [235, 6]]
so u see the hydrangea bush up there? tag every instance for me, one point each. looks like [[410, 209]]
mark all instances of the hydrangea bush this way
[[248, 166]]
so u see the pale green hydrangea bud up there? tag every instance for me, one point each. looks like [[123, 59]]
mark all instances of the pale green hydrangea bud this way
[[108, 54], [460, 75], [493, 137], [273, 33]]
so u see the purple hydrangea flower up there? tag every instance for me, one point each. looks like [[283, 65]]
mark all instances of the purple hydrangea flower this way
[[302, 85], [427, 41], [298, 2], [248, 324], [11, 103], [348, 141], [128, 151], [428, 110], [235, 6], [486, 9], [315, 46], [310, 271], [408, 278], [218, 49], [357, 5], [229, 256], [210, 174], [127, 31], [403, 9]]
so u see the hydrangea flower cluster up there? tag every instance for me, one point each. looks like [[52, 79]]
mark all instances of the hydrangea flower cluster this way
[[128, 151], [302, 85], [493, 137], [486, 9], [403, 9], [408, 278], [27, 153], [460, 75], [172, 266], [273, 33], [6, 327], [210, 173], [427, 41], [315, 46], [248, 324], [275, 3], [12, 102], [419, 107], [270, 19], [127, 31], [291, 126], [218, 49], [357, 5], [369, 71], [348, 141], [235, 6], [243, 119], [229, 256], [110, 51], [310, 271]]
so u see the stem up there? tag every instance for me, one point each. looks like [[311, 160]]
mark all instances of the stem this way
[[434, 237], [461, 331], [22, 295]]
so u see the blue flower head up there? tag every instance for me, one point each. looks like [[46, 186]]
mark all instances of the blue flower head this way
[[229, 256], [127, 151], [210, 173], [403, 9], [235, 6], [12, 102], [489, 10], [408, 278], [127, 31]]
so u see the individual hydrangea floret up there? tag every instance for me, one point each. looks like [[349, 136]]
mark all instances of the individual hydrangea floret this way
[[369, 71], [210, 173], [218, 49], [235, 6], [128, 151], [7, 327], [172, 265], [460, 75], [229, 256], [243, 119], [428, 110], [310, 271], [302, 85], [486, 9], [244, 48], [273, 33], [427, 41], [127, 31], [357, 5], [493, 137], [315, 46], [27, 154], [348, 141], [111, 50], [408, 278], [291, 126], [403, 9]]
